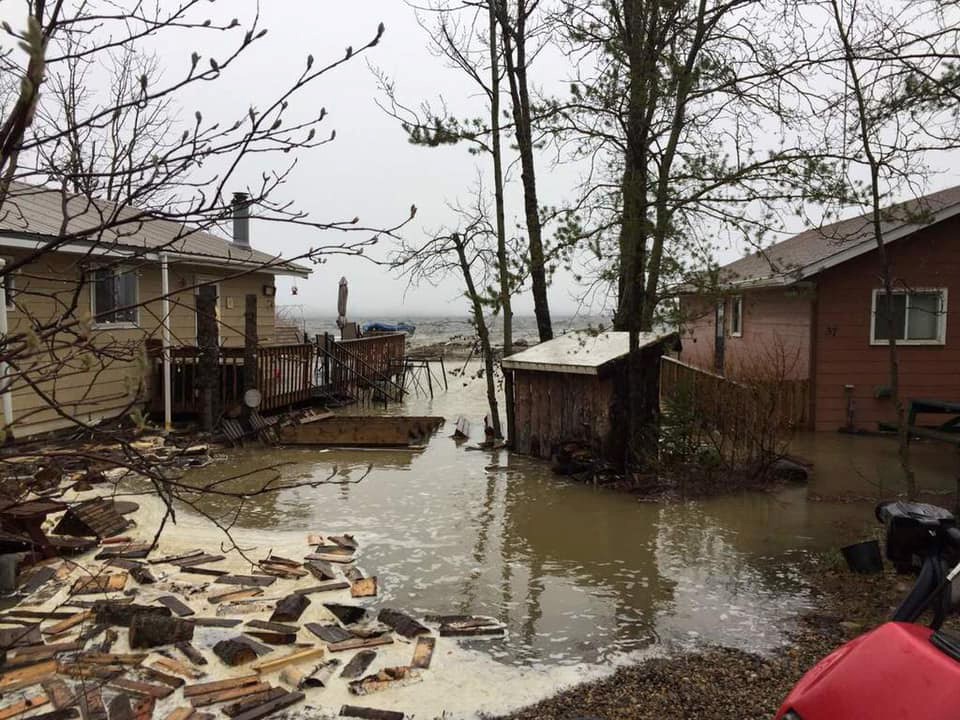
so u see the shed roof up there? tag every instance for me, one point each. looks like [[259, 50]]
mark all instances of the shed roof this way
[[817, 249], [578, 352], [38, 211]]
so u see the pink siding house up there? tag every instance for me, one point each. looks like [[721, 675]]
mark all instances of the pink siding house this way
[[815, 303]]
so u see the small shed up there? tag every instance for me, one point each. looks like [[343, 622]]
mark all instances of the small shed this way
[[570, 389]]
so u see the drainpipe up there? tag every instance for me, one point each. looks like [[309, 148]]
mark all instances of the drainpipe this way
[[165, 314], [6, 398]]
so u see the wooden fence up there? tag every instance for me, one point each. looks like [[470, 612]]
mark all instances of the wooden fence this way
[[364, 369], [786, 403]]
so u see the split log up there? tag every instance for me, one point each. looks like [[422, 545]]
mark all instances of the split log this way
[[365, 713], [111, 612], [402, 623], [229, 694], [319, 676], [423, 653], [217, 622], [358, 664], [178, 556], [247, 703], [18, 708], [20, 636], [211, 572], [347, 614], [234, 652], [234, 595], [290, 608], [345, 541], [280, 703], [142, 689], [143, 575], [175, 605], [197, 560], [97, 584], [71, 622], [147, 631], [128, 551], [180, 713], [97, 658], [191, 653], [30, 655], [272, 626], [171, 680], [321, 570], [255, 580]]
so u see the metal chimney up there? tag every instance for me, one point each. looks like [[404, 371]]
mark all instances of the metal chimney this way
[[241, 220]]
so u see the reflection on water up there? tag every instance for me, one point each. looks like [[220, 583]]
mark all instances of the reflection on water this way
[[577, 574]]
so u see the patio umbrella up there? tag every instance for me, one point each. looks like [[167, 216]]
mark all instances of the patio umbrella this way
[[342, 304]]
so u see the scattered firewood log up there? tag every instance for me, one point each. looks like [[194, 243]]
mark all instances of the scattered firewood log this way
[[290, 608], [384, 680], [148, 631], [234, 652]]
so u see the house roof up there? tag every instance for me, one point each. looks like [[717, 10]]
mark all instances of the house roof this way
[[578, 352], [817, 249], [32, 211]]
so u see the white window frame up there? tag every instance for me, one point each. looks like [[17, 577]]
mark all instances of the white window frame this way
[[941, 338], [736, 301], [126, 324]]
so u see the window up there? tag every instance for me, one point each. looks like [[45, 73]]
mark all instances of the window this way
[[114, 296], [919, 317], [736, 316]]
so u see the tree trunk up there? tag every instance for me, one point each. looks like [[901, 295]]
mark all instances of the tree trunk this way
[[506, 304], [208, 370], [482, 332], [523, 129]]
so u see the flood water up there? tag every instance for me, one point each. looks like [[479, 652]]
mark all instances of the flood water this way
[[579, 575]]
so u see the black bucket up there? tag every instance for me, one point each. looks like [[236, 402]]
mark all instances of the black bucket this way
[[864, 557]]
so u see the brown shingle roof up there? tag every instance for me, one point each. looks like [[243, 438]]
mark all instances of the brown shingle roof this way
[[39, 211], [814, 250]]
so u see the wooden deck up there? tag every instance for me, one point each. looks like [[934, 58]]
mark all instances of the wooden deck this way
[[363, 431]]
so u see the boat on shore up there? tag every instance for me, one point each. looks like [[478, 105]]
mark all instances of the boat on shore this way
[[385, 327]]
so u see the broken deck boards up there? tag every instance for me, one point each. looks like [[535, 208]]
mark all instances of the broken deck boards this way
[[358, 431], [423, 652], [358, 664]]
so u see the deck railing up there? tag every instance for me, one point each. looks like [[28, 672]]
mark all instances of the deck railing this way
[[365, 369]]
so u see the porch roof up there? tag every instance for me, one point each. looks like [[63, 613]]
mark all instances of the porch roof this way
[[579, 352]]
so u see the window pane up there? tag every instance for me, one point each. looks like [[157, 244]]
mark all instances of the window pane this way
[[126, 284], [736, 307], [104, 297], [895, 304], [924, 316]]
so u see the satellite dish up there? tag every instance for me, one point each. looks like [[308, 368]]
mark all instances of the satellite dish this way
[[251, 398]]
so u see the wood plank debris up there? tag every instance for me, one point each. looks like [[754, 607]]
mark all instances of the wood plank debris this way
[[364, 587], [423, 652], [385, 679], [217, 685], [177, 606], [165, 678], [63, 714], [197, 560], [217, 622], [21, 706], [320, 570], [104, 583], [272, 626], [130, 550], [147, 631], [178, 556], [347, 614], [329, 633], [359, 643], [358, 664], [59, 693], [20, 636], [143, 689], [468, 625], [93, 518], [302, 655], [169, 665], [337, 557], [255, 580], [36, 653], [345, 541], [91, 704], [324, 587], [180, 713], [280, 703], [290, 608], [402, 623], [228, 694], [241, 706], [209, 572], [97, 658], [191, 653], [71, 622], [365, 713], [37, 579], [234, 595]]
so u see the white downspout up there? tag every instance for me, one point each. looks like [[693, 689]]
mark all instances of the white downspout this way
[[6, 397], [165, 313]]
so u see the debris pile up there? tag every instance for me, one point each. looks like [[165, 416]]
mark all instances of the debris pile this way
[[125, 633]]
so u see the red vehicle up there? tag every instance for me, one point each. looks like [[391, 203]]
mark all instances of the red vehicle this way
[[901, 669]]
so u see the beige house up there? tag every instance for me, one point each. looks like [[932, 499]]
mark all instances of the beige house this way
[[88, 322]]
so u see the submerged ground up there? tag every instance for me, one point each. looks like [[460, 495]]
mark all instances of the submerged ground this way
[[586, 580]]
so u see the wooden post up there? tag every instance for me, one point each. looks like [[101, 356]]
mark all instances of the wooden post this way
[[251, 340], [207, 343]]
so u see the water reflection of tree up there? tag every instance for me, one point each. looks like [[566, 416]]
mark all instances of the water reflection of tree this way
[[586, 535]]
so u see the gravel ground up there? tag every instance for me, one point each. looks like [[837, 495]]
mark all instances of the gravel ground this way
[[729, 684]]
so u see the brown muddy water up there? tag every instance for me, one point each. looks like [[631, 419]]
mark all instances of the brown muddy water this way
[[581, 576]]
